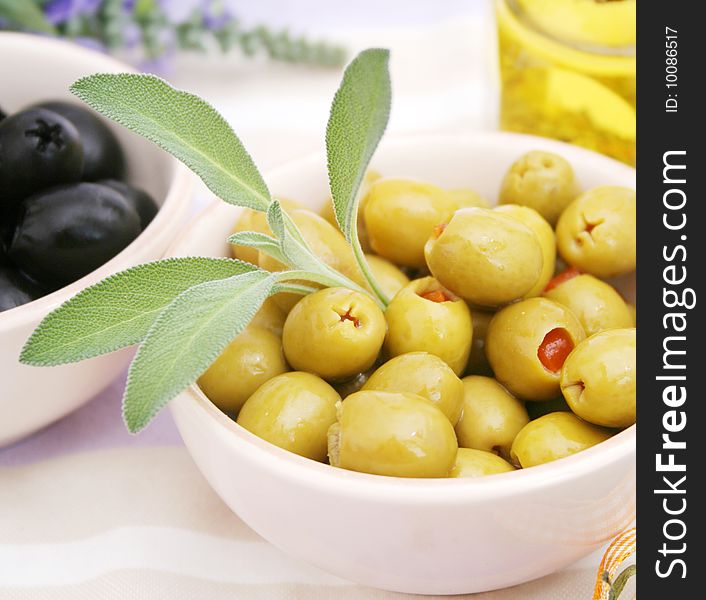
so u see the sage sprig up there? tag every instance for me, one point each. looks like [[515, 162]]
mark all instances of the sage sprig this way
[[184, 311], [359, 116]]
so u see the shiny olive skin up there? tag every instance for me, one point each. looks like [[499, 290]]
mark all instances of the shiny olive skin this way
[[545, 235], [595, 303], [554, 436], [478, 463], [293, 411], [334, 333], [38, 149], [418, 324], [252, 358], [400, 215], [325, 241], [486, 257], [598, 378], [465, 198], [390, 279], [140, 200], [68, 231], [541, 180], [392, 433], [103, 157], [423, 374], [597, 232], [491, 417], [16, 289], [477, 360], [270, 317], [515, 336], [327, 210]]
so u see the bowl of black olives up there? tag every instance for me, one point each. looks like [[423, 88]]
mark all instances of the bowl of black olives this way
[[80, 198]]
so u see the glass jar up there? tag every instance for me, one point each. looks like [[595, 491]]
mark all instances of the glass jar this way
[[567, 71]]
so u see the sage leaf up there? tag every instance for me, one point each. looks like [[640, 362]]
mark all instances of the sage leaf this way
[[294, 248], [358, 118], [118, 311], [26, 15], [259, 241], [182, 124], [187, 337]]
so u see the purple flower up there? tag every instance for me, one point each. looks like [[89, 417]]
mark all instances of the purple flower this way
[[60, 11], [132, 35], [216, 16], [179, 11]]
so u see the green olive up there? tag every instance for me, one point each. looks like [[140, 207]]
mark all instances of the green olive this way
[[248, 361], [597, 232], [466, 198], [423, 374], [327, 210], [595, 303], [400, 214], [527, 343], [541, 180], [478, 463], [477, 360], [254, 220], [293, 411], [598, 378], [392, 433], [545, 235], [389, 277], [334, 333], [426, 317], [486, 257], [250, 220], [491, 416], [632, 309], [270, 317], [554, 436]]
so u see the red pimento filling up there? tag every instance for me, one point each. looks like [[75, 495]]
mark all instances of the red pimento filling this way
[[554, 349], [569, 273], [438, 230], [349, 317], [436, 296]]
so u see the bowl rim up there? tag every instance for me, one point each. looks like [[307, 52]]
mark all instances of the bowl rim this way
[[297, 468], [176, 199]]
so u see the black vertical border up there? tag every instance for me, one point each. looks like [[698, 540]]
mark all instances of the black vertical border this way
[[658, 132]]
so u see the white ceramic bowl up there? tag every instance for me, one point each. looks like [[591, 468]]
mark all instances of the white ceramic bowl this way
[[34, 69], [411, 535]]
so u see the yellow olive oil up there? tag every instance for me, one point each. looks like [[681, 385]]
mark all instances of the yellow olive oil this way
[[567, 71]]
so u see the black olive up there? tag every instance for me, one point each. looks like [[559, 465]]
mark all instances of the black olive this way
[[103, 157], [3, 114], [66, 232], [38, 149], [140, 200], [16, 289]]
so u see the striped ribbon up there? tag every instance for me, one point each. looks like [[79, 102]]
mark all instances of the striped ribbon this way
[[620, 549]]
